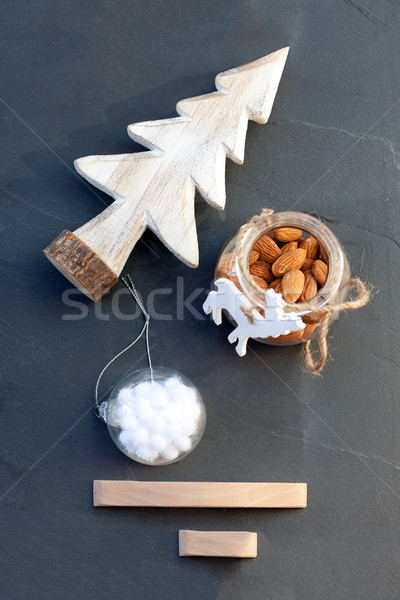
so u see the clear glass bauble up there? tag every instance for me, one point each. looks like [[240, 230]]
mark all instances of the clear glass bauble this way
[[155, 418]]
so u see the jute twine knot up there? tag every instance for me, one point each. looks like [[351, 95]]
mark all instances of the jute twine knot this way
[[249, 313], [262, 217], [363, 295]]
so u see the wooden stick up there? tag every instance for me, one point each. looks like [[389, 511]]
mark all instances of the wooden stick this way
[[238, 544], [199, 494]]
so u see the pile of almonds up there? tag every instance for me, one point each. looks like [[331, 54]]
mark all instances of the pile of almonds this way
[[289, 262]]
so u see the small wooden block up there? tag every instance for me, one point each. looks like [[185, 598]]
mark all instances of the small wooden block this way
[[238, 544], [199, 494]]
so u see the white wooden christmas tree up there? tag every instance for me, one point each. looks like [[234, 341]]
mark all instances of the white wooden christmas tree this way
[[156, 189]]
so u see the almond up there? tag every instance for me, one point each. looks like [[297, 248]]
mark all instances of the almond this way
[[307, 331], [260, 282], [235, 280], [311, 246], [275, 283], [253, 257], [310, 287], [293, 336], [297, 269], [288, 234], [323, 255], [289, 246], [312, 318], [262, 269], [292, 285], [226, 264], [320, 271], [293, 259], [307, 265], [267, 249]]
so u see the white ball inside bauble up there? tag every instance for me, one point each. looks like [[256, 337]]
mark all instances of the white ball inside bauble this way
[[128, 421], [188, 426], [123, 410], [156, 424], [183, 443], [178, 394], [170, 453], [190, 395], [146, 416], [143, 390], [126, 395], [173, 430], [142, 406], [172, 412], [158, 396], [125, 437], [158, 441], [140, 436], [171, 384], [147, 452], [189, 411]]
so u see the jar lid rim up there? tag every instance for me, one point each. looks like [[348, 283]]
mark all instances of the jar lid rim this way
[[307, 223]]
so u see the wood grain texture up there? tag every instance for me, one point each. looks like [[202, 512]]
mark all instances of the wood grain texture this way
[[199, 494], [83, 267], [156, 189], [237, 544]]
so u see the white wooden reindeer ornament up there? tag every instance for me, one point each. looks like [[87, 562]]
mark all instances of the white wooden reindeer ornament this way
[[156, 189], [275, 322]]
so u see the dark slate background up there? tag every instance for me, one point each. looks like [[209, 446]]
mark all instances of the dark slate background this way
[[74, 75]]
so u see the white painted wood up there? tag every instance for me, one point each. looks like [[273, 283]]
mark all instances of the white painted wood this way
[[276, 322], [156, 189]]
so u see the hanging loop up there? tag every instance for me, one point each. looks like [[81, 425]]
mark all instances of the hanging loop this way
[[100, 409]]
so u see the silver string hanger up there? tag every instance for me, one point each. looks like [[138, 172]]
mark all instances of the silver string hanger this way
[[101, 408]]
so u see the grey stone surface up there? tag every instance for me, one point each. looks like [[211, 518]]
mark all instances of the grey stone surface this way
[[74, 75]]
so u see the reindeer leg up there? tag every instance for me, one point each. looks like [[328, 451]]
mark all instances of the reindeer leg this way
[[217, 316], [210, 305], [207, 306], [232, 337], [241, 346]]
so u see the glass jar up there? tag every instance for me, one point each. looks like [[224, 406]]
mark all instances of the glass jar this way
[[233, 263]]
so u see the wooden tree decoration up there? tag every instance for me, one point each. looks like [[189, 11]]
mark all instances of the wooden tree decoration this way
[[156, 189]]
